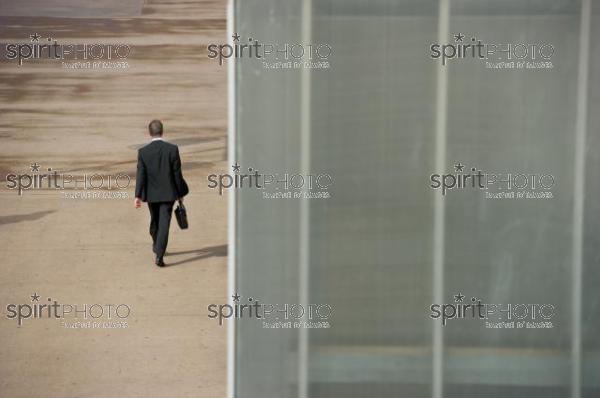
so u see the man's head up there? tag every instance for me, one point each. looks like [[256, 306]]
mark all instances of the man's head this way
[[155, 128]]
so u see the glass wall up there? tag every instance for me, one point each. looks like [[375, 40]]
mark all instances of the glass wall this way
[[385, 246]]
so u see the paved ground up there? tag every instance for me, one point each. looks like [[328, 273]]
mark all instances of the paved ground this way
[[97, 251]]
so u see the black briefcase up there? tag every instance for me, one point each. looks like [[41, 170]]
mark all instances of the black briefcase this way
[[181, 216]]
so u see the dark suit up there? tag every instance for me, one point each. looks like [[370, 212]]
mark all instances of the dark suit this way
[[160, 183]]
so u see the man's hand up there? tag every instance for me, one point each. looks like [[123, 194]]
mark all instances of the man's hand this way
[[137, 203]]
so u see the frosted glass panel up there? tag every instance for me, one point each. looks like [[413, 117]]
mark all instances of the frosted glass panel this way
[[375, 121]]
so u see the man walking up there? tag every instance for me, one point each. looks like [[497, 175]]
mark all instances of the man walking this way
[[160, 183]]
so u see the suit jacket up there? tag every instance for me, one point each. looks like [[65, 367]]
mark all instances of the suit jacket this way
[[159, 177]]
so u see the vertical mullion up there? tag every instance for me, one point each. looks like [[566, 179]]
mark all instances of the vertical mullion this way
[[231, 209], [579, 195], [304, 246], [439, 209]]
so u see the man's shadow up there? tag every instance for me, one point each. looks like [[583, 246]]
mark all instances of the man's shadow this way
[[17, 218], [211, 251]]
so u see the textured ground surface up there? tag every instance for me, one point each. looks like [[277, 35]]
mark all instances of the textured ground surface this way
[[97, 251]]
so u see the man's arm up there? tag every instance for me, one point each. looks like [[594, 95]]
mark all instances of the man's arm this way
[[180, 184], [140, 180]]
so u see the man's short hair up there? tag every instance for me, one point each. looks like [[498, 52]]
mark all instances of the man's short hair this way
[[155, 128]]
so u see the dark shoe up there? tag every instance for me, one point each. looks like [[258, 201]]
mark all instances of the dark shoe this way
[[159, 261]]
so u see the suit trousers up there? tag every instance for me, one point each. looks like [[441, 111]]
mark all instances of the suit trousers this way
[[160, 221]]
